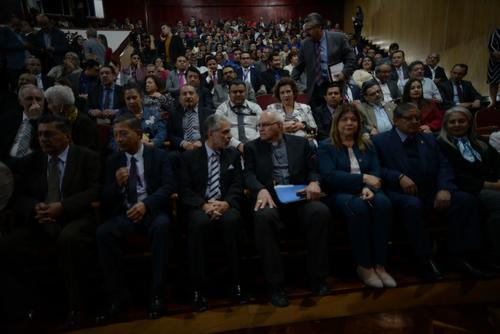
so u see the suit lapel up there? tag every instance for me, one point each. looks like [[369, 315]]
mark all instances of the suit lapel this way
[[69, 169], [203, 163], [147, 155], [399, 153]]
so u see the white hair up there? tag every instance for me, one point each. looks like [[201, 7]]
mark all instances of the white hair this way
[[62, 95], [277, 116]]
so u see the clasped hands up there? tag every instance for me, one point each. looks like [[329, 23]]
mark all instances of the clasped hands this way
[[215, 209], [48, 213]]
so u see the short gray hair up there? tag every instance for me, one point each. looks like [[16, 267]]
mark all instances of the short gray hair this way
[[62, 95], [277, 116], [75, 57], [212, 123], [315, 19]]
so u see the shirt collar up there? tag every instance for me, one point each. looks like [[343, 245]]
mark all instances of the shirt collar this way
[[401, 135], [244, 105], [63, 156], [137, 154], [323, 38], [209, 150]]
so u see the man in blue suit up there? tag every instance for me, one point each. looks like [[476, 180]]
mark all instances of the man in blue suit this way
[[418, 177], [137, 189]]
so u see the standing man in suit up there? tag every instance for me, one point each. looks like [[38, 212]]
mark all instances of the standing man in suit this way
[[137, 189], [50, 43], [377, 117], [433, 70], [323, 115], [106, 99], [211, 191], [248, 74], [321, 49], [18, 127], [273, 159], [53, 201], [417, 178], [457, 91], [388, 86]]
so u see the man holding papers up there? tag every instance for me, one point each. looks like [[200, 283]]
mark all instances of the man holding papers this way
[[276, 159]]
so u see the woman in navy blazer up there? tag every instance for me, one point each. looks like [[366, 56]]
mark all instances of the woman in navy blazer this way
[[350, 173]]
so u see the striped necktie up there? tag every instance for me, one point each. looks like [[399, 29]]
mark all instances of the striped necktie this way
[[23, 140], [213, 187], [317, 70], [189, 129]]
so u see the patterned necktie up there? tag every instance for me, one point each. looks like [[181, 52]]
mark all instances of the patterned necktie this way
[[317, 71], [214, 78], [242, 137], [460, 92], [213, 187], [182, 79], [53, 181], [189, 131], [24, 140], [132, 182]]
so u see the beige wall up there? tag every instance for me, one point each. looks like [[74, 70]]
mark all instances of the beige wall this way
[[457, 29]]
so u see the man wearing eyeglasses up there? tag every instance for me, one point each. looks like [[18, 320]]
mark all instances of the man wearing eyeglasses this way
[[417, 178], [274, 159], [221, 91]]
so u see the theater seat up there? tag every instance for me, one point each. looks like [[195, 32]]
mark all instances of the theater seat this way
[[264, 100], [487, 120]]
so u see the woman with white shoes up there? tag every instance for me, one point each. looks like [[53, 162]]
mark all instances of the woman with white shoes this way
[[350, 174]]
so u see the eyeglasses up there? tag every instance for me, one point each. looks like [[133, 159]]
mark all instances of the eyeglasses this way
[[266, 125]]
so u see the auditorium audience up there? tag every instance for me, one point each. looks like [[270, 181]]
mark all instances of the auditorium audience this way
[[431, 117], [156, 98], [350, 175], [430, 90]]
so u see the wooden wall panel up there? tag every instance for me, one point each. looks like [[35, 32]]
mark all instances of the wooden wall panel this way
[[457, 29]]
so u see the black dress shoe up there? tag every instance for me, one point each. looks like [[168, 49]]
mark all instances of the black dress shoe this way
[[73, 319], [200, 303], [111, 314], [429, 271], [156, 308], [469, 269], [320, 289], [240, 295], [279, 297]]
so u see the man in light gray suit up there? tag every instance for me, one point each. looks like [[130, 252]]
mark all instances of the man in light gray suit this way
[[328, 47], [177, 78]]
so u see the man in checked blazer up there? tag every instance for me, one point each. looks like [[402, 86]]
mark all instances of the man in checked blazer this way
[[210, 193]]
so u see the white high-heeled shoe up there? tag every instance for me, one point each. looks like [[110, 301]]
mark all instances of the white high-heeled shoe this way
[[387, 280], [370, 278]]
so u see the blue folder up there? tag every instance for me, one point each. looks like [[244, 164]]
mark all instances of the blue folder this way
[[288, 193]]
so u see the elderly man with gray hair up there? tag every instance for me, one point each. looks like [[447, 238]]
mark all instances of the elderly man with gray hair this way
[[61, 101], [277, 160]]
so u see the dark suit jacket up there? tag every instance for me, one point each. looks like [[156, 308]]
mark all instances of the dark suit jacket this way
[[339, 50], [175, 129], [393, 88], [335, 167], [194, 177], [440, 73], [84, 132], [394, 73], [470, 93], [206, 98], [255, 77], [9, 125], [210, 85], [94, 99], [356, 91], [176, 48], [259, 166], [59, 43], [323, 118], [160, 182], [435, 169], [80, 183], [269, 80], [470, 176]]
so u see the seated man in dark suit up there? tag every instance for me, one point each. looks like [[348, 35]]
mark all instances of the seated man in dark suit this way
[[323, 115], [106, 99], [418, 177], [280, 159], [211, 191], [249, 74], [52, 199], [82, 82], [459, 92], [433, 70], [399, 68], [212, 76], [137, 189], [34, 66], [274, 73], [388, 86], [18, 127]]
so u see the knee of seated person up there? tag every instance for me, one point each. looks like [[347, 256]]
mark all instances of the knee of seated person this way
[[462, 198], [264, 215], [318, 208], [382, 202], [161, 222], [413, 203]]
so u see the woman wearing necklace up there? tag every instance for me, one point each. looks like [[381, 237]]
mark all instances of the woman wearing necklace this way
[[299, 120], [350, 175], [476, 166]]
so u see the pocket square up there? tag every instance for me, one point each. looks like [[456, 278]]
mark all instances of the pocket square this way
[[230, 167]]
